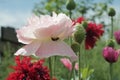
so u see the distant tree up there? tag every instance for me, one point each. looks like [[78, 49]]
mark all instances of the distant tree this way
[[90, 9]]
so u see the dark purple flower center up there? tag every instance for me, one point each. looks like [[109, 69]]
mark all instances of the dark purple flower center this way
[[54, 38]]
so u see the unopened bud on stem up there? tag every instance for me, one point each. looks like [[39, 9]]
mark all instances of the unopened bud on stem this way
[[111, 12], [70, 5], [79, 35]]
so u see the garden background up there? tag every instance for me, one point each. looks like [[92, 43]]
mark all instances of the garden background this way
[[93, 10]]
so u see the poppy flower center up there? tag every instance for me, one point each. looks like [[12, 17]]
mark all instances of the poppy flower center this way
[[54, 38]]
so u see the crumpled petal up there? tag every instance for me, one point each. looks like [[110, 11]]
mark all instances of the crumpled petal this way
[[52, 48], [28, 49]]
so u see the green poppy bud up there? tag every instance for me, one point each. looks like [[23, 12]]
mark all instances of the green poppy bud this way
[[75, 47], [111, 43], [85, 24], [79, 35], [70, 5], [83, 10], [111, 12]]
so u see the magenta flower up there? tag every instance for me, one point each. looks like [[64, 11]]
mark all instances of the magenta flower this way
[[44, 36], [67, 63], [117, 36], [110, 54]]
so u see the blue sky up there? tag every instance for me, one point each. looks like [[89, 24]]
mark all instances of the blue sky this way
[[16, 12]]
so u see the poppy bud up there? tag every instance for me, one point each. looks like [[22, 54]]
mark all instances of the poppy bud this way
[[110, 54], [79, 35], [70, 5], [75, 47], [117, 36], [111, 43], [85, 24], [83, 10], [111, 12]]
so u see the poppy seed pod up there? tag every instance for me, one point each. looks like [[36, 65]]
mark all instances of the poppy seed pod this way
[[70, 5]]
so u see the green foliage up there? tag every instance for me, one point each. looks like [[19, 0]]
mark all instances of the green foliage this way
[[6, 61], [86, 73], [95, 10]]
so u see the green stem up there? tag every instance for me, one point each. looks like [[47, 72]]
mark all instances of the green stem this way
[[111, 71], [111, 27], [70, 13], [54, 67], [72, 71], [79, 62], [70, 38], [50, 67], [74, 75]]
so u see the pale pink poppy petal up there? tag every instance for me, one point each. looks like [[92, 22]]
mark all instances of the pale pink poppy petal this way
[[66, 62], [28, 49], [33, 20], [52, 48], [42, 33], [25, 35], [63, 26], [23, 39]]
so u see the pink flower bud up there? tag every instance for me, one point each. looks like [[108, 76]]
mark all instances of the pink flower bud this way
[[110, 54], [67, 63], [117, 36]]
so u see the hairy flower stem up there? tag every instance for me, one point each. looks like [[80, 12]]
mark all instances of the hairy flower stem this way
[[50, 67], [70, 13], [54, 65], [70, 38], [111, 27], [111, 71], [72, 72], [79, 62]]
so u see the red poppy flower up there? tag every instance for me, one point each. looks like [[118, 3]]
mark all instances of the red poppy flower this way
[[26, 70], [93, 32], [78, 20]]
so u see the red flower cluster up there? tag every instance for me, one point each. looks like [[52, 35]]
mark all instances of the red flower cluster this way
[[93, 32], [26, 70], [78, 20]]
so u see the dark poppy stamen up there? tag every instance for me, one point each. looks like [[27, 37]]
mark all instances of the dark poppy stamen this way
[[55, 38]]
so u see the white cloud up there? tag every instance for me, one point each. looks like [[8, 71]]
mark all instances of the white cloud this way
[[14, 19]]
